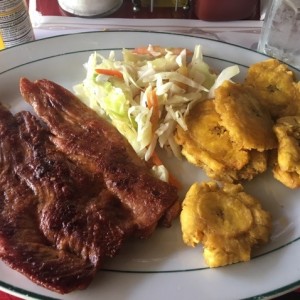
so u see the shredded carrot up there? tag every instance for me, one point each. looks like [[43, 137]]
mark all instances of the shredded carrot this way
[[110, 72], [172, 179], [152, 102], [158, 49], [148, 50], [155, 159]]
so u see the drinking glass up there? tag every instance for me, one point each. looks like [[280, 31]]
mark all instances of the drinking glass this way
[[280, 36]]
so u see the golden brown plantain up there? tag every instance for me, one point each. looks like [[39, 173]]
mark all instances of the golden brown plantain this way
[[226, 220]]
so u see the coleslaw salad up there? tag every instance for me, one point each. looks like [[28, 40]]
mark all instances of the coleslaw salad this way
[[149, 92]]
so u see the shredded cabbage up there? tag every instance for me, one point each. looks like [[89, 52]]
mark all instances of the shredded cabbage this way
[[156, 90], [226, 74]]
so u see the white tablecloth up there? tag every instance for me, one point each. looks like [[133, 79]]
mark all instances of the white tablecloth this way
[[243, 33]]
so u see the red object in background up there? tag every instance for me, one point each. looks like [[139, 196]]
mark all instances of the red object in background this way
[[4, 296], [51, 8], [207, 10], [211, 10], [226, 10]]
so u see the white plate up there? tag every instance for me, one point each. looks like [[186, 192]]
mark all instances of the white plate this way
[[161, 267]]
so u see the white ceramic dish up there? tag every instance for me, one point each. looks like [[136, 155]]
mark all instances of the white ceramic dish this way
[[90, 8], [161, 267]]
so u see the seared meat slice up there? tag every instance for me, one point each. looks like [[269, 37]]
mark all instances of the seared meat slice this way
[[23, 245], [76, 212], [70, 198], [96, 145]]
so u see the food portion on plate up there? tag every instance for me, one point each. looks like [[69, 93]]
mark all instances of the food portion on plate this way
[[249, 125], [287, 159], [208, 144], [262, 113], [279, 92], [235, 136], [146, 92], [228, 137], [84, 175], [275, 86], [172, 98], [227, 221], [73, 190]]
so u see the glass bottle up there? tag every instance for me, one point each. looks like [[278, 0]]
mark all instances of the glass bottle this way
[[15, 24]]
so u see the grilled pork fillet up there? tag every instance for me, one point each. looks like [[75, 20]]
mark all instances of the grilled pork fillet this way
[[100, 149], [70, 198], [23, 242], [76, 212]]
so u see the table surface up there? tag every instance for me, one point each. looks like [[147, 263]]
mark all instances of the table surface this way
[[51, 8]]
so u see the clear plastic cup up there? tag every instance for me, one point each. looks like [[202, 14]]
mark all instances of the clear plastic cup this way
[[280, 36]]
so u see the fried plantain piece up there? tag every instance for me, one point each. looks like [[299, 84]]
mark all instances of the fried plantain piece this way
[[226, 220], [289, 179], [274, 85], [258, 164], [287, 165], [207, 144], [247, 121]]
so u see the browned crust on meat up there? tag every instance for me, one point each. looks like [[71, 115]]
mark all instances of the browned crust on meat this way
[[23, 245], [96, 145]]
